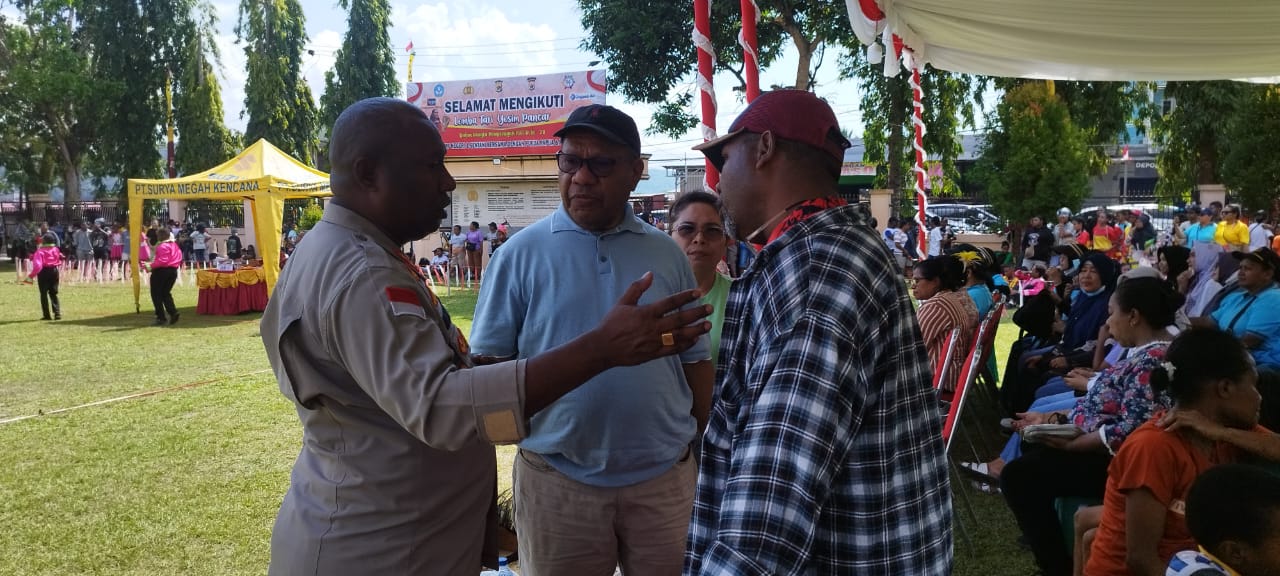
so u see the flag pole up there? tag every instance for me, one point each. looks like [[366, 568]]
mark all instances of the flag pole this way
[[412, 53]]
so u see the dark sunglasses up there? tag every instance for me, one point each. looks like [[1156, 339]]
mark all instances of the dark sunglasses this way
[[689, 230], [600, 166]]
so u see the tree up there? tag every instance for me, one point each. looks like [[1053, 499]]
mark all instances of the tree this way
[[1192, 136], [45, 61], [203, 138], [365, 64], [1034, 158], [1102, 111], [30, 165], [130, 45], [1250, 166], [277, 98], [950, 101], [648, 48], [89, 76]]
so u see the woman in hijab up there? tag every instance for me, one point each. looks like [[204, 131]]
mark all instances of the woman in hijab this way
[[1201, 285], [1086, 314], [1172, 261], [1227, 273], [1142, 239]]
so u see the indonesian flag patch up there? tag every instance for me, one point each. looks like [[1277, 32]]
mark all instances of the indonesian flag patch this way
[[405, 302]]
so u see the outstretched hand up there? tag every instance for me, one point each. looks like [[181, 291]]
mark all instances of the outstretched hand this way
[[632, 334]]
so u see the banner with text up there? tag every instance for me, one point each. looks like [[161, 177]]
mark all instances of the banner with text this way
[[518, 203], [506, 116]]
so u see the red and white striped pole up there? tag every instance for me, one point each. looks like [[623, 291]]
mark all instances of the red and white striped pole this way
[[917, 144], [706, 69], [750, 47]]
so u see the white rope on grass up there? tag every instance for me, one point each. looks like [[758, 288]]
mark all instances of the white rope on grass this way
[[131, 396]]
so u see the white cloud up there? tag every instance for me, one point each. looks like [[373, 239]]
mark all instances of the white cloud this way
[[234, 74], [226, 11], [461, 40], [232, 78], [324, 52]]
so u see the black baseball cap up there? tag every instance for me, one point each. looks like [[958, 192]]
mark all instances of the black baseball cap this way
[[1263, 256], [606, 121]]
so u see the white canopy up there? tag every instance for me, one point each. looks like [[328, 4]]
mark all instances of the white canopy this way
[[1081, 39]]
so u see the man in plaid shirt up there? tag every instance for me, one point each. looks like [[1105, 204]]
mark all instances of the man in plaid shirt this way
[[823, 454]]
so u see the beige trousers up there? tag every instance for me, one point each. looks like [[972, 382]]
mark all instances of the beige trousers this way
[[568, 528]]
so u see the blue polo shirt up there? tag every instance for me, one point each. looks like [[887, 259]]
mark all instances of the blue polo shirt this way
[[1201, 234], [1262, 318], [554, 281]]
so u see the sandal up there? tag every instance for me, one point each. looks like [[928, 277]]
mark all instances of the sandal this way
[[986, 488], [980, 470]]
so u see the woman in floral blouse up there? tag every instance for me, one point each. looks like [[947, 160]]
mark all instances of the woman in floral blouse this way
[[1118, 402]]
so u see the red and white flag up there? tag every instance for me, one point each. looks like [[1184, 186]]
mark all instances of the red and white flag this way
[[1125, 156], [409, 48], [404, 301]]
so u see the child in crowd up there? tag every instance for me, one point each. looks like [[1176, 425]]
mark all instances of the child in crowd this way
[[439, 265], [1034, 283], [1010, 275], [1233, 511], [44, 268], [1083, 236]]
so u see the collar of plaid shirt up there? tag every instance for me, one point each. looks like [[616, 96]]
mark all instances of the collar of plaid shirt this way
[[796, 214]]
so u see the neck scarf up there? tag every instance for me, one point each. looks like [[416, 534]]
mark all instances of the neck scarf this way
[[796, 214]]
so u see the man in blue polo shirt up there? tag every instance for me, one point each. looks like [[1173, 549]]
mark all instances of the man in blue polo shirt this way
[[1252, 311], [605, 477]]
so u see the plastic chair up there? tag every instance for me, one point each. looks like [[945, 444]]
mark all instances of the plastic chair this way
[[951, 425], [940, 369]]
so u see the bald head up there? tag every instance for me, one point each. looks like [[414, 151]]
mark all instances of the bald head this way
[[368, 130], [388, 166]]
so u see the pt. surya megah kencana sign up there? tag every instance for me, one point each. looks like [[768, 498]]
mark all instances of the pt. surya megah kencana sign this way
[[506, 116]]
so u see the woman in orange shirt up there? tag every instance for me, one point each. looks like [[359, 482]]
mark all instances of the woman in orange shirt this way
[[1213, 382]]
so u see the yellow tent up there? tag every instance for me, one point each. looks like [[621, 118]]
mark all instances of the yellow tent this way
[[261, 174]]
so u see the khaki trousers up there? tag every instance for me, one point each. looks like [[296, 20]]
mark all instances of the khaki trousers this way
[[568, 528]]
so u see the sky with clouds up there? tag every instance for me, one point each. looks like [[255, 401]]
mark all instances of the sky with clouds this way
[[477, 39]]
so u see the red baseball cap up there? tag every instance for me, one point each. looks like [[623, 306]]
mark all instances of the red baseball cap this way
[[795, 115]]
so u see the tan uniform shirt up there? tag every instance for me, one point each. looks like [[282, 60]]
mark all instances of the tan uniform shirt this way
[[397, 472]]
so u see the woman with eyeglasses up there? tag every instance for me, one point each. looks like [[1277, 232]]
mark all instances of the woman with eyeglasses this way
[[1231, 233], [944, 306], [698, 228]]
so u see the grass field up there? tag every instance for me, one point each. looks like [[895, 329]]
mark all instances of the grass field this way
[[186, 481]]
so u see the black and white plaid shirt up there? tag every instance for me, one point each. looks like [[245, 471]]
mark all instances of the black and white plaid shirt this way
[[824, 452]]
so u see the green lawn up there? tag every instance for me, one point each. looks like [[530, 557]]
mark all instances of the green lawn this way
[[185, 481]]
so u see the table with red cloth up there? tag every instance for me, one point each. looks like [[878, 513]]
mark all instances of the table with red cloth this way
[[229, 293]]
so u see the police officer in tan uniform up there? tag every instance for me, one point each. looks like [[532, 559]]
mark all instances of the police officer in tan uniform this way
[[397, 472]]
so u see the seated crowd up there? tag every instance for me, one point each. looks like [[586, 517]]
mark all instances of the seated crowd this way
[[1132, 397]]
